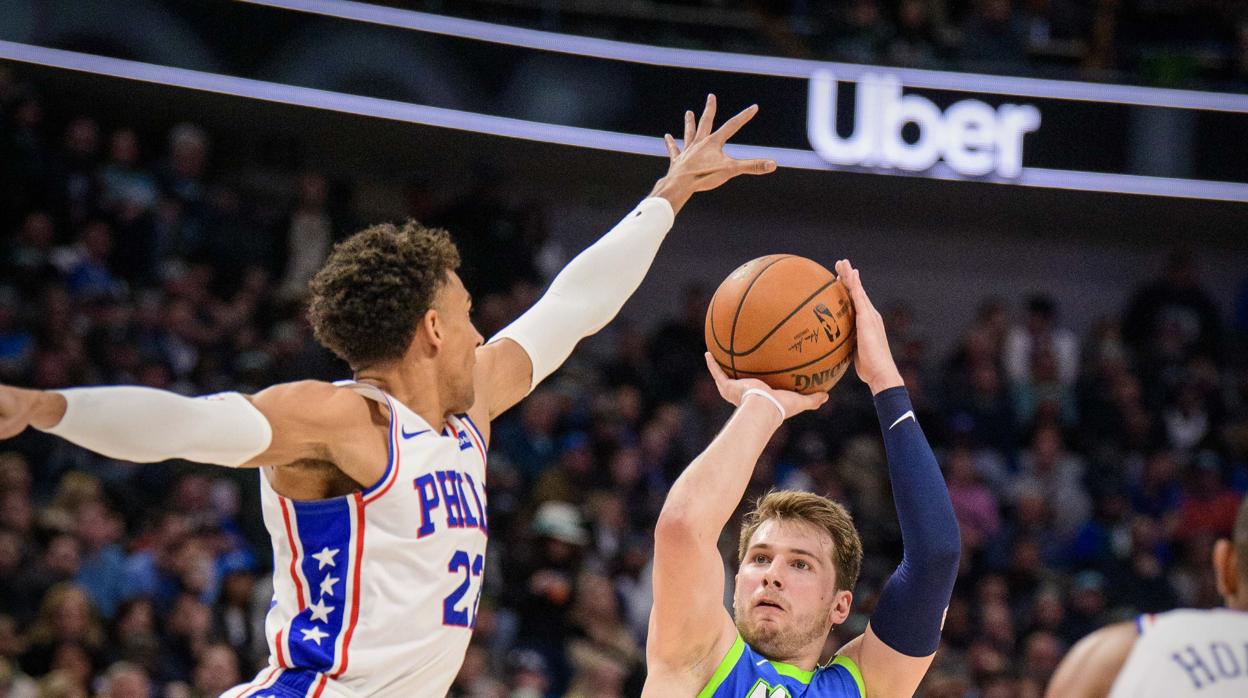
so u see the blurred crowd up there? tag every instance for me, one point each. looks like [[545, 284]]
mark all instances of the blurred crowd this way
[[1090, 472], [1156, 41]]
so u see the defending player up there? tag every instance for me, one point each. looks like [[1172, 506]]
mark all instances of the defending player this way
[[799, 557], [373, 489], [1186, 652]]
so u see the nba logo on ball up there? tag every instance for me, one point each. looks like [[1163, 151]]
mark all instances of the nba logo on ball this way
[[824, 315], [970, 136], [785, 320]]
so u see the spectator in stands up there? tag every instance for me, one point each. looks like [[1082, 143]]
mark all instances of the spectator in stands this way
[[1041, 334], [66, 631], [125, 680], [72, 189], [216, 671], [993, 37], [916, 41], [1172, 319], [305, 237], [863, 32]]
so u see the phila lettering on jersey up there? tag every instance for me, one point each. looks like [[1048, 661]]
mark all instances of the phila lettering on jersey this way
[[1187, 653], [375, 593]]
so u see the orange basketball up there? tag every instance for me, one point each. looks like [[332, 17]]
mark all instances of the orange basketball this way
[[785, 320]]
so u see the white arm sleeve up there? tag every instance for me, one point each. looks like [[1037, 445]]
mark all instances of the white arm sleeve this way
[[144, 425], [591, 289]]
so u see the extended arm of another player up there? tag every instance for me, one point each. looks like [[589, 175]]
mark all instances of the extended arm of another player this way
[[592, 288], [145, 425], [582, 299], [1092, 665]]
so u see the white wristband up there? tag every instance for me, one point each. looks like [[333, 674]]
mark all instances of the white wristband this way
[[769, 396]]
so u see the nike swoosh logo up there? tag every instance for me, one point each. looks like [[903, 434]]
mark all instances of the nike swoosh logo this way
[[908, 415], [403, 432]]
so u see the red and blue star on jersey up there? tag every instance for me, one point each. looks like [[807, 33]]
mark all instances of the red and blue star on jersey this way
[[326, 544]]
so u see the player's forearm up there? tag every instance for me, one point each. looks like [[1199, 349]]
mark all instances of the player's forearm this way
[[144, 425], [911, 607], [704, 497], [592, 288]]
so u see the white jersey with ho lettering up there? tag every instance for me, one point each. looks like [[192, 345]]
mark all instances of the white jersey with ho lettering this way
[[375, 593], [1187, 653]]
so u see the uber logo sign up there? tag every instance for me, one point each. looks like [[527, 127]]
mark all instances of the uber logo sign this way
[[972, 137]]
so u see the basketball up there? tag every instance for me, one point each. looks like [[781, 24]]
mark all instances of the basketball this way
[[785, 320]]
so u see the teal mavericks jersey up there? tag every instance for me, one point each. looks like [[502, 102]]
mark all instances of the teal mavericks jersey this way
[[745, 673]]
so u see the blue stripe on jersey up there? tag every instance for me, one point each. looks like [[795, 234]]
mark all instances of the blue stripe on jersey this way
[[473, 424], [296, 683], [290, 683], [744, 673], [324, 530], [391, 446]]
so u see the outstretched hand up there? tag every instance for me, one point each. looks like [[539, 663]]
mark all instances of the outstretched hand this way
[[17, 408], [733, 390], [873, 360], [700, 164]]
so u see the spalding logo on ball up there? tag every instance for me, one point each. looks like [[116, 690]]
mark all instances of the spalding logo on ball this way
[[785, 320]]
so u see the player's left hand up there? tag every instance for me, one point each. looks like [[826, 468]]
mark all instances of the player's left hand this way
[[873, 360], [733, 390], [21, 408], [701, 164]]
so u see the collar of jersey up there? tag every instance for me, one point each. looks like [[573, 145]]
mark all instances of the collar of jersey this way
[[791, 671], [411, 418], [393, 403]]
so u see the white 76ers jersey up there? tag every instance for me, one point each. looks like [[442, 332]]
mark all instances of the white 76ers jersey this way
[[1187, 653], [375, 593]]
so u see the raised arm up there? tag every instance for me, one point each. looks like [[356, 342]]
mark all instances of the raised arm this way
[[280, 425], [690, 630], [901, 639], [592, 288]]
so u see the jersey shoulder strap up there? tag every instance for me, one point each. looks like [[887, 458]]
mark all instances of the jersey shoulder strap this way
[[726, 665], [367, 390]]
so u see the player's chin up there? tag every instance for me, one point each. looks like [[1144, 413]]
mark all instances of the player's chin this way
[[767, 616], [760, 632], [466, 400]]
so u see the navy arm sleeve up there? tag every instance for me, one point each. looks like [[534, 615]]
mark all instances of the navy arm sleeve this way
[[911, 607]]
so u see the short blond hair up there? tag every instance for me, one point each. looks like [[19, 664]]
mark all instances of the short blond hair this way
[[823, 513]]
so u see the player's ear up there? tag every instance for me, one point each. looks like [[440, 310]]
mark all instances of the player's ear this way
[[1225, 569], [432, 326], [840, 609]]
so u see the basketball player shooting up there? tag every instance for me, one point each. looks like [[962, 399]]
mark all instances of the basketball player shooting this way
[[1187, 652], [373, 490], [799, 556]]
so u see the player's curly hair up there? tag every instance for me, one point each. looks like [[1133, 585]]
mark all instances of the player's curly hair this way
[[825, 514], [375, 287]]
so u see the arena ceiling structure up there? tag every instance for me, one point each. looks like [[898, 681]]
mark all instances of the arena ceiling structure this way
[[411, 66]]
